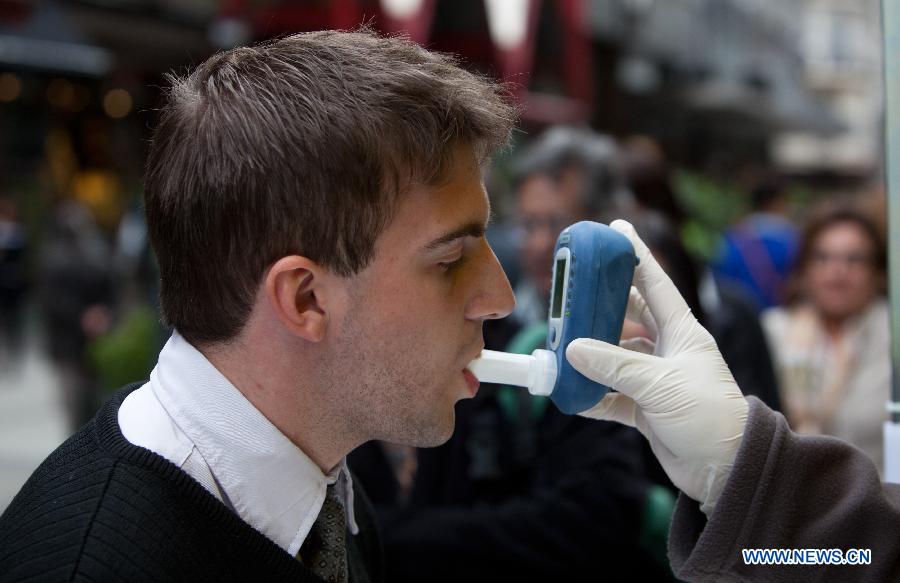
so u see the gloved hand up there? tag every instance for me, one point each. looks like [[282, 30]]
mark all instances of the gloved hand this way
[[678, 393]]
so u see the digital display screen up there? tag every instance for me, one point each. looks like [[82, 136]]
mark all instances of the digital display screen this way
[[559, 277]]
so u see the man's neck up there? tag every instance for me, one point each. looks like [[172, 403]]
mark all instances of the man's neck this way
[[304, 417]]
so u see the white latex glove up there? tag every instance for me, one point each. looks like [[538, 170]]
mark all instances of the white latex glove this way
[[678, 393]]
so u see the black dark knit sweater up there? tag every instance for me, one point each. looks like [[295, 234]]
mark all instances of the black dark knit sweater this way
[[102, 509]]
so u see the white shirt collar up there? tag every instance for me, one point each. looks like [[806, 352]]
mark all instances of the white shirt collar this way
[[268, 480]]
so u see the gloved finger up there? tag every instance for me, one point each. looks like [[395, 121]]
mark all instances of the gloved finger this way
[[637, 311], [613, 407], [638, 345], [661, 295], [627, 371]]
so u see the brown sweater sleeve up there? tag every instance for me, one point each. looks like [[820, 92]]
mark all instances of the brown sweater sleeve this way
[[790, 491]]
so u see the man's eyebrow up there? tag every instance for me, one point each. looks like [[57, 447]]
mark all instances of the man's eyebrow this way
[[472, 229]]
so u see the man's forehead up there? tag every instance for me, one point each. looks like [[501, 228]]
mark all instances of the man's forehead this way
[[468, 218], [433, 215]]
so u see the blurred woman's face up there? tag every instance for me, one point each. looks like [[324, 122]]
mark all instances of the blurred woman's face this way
[[840, 278]]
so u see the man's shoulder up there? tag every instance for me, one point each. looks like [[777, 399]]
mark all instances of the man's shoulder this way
[[87, 492], [102, 509], [54, 509], [72, 467]]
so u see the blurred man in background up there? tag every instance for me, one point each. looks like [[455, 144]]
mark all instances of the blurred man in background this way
[[76, 293], [566, 175], [13, 282], [758, 253]]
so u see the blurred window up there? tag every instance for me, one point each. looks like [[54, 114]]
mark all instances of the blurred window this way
[[846, 37]]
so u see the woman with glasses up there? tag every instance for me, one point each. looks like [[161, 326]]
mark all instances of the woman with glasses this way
[[830, 341]]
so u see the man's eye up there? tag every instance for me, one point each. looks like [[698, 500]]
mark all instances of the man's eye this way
[[446, 266]]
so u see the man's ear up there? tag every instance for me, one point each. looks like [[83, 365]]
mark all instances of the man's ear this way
[[294, 287]]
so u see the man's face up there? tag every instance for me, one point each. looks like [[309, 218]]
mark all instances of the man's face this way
[[415, 314], [545, 207], [840, 277]]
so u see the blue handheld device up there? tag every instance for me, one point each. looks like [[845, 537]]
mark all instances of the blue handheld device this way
[[592, 271]]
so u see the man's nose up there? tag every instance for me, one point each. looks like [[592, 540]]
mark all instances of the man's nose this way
[[495, 299]]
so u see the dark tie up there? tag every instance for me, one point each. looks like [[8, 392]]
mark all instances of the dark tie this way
[[324, 551]]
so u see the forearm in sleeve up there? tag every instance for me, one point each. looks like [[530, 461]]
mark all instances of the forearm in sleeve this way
[[790, 491]]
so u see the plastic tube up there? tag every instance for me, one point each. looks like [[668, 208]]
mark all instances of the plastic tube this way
[[536, 372]]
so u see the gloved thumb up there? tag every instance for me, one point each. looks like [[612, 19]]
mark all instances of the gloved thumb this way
[[627, 371]]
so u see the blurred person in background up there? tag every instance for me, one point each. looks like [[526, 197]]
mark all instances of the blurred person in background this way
[[523, 492], [76, 292], [757, 254], [128, 349], [831, 341], [566, 175], [648, 175], [13, 282]]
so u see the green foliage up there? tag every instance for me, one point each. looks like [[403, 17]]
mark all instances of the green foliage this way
[[711, 207], [126, 353]]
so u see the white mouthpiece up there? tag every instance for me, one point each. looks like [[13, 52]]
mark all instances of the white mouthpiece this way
[[536, 372]]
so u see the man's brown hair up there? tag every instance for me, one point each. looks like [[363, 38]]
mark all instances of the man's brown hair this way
[[299, 145]]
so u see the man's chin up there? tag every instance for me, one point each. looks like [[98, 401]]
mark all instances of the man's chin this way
[[440, 438], [433, 433]]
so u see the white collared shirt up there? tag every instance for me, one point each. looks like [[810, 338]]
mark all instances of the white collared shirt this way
[[190, 414]]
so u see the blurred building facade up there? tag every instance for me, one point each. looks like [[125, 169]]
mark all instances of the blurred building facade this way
[[718, 83], [841, 44], [714, 80], [726, 88], [78, 84]]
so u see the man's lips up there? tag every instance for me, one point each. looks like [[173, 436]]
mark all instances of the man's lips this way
[[471, 381]]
